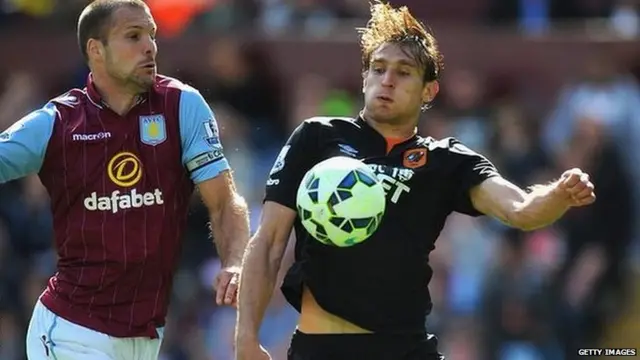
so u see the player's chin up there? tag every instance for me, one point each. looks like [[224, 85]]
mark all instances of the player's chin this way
[[146, 81], [146, 72], [384, 114]]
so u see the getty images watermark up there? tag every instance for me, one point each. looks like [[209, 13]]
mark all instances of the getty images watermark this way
[[608, 352]]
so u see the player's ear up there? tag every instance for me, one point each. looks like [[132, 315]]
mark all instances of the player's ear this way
[[94, 48], [430, 91]]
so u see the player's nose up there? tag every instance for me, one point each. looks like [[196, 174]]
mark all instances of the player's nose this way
[[388, 79], [150, 47]]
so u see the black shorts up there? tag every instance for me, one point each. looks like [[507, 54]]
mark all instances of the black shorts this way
[[363, 346]]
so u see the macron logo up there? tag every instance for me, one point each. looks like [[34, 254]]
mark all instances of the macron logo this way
[[90, 137]]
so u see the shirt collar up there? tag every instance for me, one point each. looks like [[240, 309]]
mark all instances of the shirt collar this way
[[96, 98]]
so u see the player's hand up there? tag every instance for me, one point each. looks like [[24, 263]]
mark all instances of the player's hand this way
[[226, 285], [576, 188], [252, 351]]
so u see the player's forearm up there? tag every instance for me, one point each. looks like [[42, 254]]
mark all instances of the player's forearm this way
[[230, 228], [541, 207], [257, 281]]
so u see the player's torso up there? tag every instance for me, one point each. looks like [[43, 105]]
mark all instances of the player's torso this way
[[381, 283], [415, 176], [106, 173]]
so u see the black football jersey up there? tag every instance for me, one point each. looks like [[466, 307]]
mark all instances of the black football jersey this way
[[380, 284]]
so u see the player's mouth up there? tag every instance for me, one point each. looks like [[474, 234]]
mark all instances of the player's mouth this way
[[149, 66], [384, 98]]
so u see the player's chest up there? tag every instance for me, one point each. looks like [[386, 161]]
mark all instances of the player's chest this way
[[151, 131], [123, 148], [411, 175]]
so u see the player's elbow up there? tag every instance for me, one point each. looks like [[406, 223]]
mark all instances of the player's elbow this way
[[266, 249], [262, 245], [519, 218], [524, 226], [270, 241], [508, 213], [512, 210]]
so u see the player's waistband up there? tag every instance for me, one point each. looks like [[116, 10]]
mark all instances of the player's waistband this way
[[97, 321], [370, 346]]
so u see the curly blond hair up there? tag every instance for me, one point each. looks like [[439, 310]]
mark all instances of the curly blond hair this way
[[397, 25]]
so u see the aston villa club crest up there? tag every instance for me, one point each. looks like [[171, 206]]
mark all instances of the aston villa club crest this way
[[153, 129]]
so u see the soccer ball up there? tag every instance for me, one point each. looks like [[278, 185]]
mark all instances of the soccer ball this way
[[340, 201]]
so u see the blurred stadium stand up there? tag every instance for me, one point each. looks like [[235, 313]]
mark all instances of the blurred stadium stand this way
[[537, 85]]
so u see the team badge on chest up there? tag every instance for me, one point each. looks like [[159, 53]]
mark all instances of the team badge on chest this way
[[414, 158], [153, 129]]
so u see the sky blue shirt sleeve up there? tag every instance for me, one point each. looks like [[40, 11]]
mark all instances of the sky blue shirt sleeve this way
[[202, 153], [24, 144]]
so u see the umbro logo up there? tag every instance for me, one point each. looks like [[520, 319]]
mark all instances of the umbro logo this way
[[348, 150], [91, 137]]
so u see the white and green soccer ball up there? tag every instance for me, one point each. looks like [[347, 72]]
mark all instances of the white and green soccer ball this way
[[341, 201]]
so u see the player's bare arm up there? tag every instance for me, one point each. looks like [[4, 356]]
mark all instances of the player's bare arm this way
[[209, 169], [540, 207], [230, 228], [259, 274]]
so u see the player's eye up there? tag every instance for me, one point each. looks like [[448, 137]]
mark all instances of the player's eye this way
[[377, 70], [134, 36]]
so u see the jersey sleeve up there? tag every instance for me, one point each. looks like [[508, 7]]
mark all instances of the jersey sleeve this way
[[24, 144], [471, 170], [202, 153], [296, 157]]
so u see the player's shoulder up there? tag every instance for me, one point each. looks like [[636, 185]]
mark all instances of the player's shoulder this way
[[323, 123], [186, 95], [72, 99], [70, 106], [60, 107], [42, 118], [331, 120], [313, 126], [168, 83], [448, 146]]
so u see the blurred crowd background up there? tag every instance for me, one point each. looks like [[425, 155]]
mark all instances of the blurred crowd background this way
[[539, 86]]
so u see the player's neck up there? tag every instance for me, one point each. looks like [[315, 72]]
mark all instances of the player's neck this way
[[119, 99], [392, 131]]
